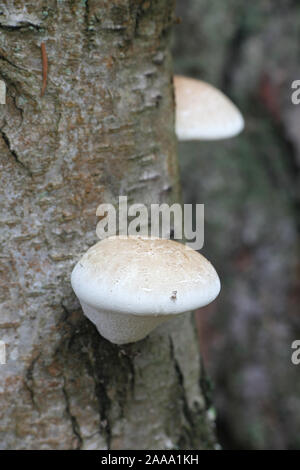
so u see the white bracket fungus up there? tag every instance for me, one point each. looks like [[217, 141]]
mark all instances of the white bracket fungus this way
[[203, 112], [129, 285]]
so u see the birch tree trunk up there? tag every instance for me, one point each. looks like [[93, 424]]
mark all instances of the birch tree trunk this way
[[103, 128]]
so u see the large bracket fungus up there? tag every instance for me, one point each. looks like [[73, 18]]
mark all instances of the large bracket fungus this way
[[129, 285]]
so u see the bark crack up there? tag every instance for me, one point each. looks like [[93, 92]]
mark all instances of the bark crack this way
[[205, 386], [185, 407], [104, 402], [93, 363], [130, 363], [14, 153], [29, 381], [87, 14], [5, 59], [72, 418], [21, 26]]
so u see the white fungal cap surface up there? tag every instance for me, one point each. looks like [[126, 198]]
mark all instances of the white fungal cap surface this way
[[144, 276], [203, 112]]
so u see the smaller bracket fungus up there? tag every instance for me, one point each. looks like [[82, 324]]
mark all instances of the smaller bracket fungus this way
[[129, 285], [203, 112]]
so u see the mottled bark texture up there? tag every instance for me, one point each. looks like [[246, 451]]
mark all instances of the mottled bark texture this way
[[103, 128], [250, 186]]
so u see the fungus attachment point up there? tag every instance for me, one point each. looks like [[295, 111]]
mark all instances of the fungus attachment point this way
[[129, 285], [203, 112]]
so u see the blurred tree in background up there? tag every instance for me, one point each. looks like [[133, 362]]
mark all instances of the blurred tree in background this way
[[250, 187]]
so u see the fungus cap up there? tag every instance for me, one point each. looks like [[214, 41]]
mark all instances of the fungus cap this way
[[203, 112], [144, 276]]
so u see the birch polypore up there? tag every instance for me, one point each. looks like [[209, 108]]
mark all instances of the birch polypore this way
[[203, 112], [129, 285]]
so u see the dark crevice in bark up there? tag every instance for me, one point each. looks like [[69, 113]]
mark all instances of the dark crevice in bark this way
[[5, 59], [188, 431], [105, 358], [73, 420], [139, 13], [22, 26], [77, 343], [14, 153], [101, 360], [198, 430], [129, 360], [104, 402], [205, 386], [87, 14], [29, 381]]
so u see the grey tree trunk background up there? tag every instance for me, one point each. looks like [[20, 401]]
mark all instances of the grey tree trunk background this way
[[103, 128]]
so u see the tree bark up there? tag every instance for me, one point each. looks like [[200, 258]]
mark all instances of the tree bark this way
[[103, 128]]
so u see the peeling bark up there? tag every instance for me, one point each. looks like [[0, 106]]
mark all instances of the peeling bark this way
[[103, 128]]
